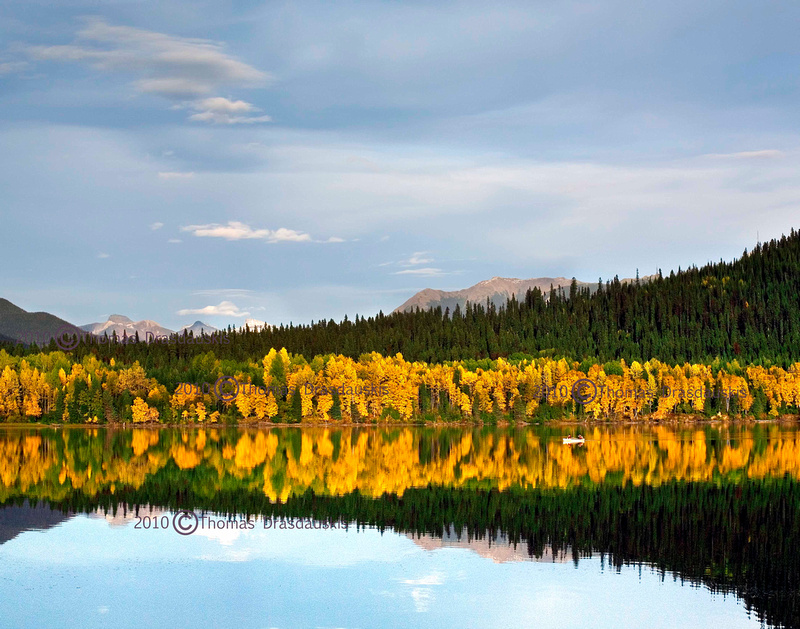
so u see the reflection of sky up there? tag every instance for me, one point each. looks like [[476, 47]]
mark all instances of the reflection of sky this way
[[85, 573]]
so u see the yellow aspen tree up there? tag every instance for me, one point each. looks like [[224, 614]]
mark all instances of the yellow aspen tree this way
[[244, 401], [140, 410], [271, 406], [260, 406], [9, 393], [324, 404]]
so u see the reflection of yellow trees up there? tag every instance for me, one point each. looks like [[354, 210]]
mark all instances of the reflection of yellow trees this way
[[283, 463], [143, 439], [250, 452]]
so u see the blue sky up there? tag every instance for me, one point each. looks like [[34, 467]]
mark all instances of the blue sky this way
[[288, 162]]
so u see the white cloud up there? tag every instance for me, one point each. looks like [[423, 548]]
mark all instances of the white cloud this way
[[335, 239], [102, 255], [156, 226], [221, 105], [175, 175], [764, 154], [423, 272], [224, 308], [174, 241], [236, 230], [417, 258], [219, 110]]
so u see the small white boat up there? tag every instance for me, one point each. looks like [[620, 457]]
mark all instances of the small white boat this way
[[573, 440]]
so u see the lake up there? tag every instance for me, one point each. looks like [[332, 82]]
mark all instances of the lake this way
[[673, 526]]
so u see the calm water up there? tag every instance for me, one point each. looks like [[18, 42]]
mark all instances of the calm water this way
[[400, 527]]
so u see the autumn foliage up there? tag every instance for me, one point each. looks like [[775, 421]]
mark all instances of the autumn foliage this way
[[283, 387]]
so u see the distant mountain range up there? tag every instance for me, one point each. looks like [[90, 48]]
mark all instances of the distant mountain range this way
[[17, 324], [146, 328], [497, 290], [122, 325], [198, 328]]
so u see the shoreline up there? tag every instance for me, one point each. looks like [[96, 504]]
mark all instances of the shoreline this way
[[650, 421]]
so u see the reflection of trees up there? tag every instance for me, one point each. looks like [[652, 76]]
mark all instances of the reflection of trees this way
[[289, 462], [740, 538], [717, 507]]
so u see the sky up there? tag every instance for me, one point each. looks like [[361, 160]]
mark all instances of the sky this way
[[293, 162]]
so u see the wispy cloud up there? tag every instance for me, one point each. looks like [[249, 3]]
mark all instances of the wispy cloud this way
[[170, 66], [423, 272], [175, 175], [224, 308], [103, 255], [155, 226], [764, 154], [178, 68], [9, 67], [236, 230], [227, 292], [417, 258]]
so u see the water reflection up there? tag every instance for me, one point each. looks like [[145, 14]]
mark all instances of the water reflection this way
[[283, 463], [718, 507], [90, 571]]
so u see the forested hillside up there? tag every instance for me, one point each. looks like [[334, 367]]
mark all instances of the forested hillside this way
[[748, 309]]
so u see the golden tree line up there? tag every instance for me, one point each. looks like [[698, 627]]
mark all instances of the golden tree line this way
[[283, 387]]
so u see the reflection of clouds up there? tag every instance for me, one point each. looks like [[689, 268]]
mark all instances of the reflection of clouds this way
[[225, 536], [557, 601], [424, 596], [233, 556], [432, 579]]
